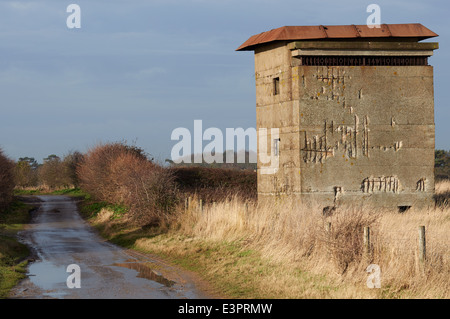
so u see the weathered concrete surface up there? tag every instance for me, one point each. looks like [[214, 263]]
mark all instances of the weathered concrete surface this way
[[348, 134], [59, 237]]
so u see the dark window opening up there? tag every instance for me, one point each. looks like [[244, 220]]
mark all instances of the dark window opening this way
[[276, 86], [276, 147], [403, 209]]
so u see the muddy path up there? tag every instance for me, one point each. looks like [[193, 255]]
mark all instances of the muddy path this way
[[59, 238]]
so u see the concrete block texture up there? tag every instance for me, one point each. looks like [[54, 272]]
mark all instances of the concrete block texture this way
[[361, 134]]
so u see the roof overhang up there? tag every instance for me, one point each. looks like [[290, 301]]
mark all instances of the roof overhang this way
[[355, 33], [338, 48]]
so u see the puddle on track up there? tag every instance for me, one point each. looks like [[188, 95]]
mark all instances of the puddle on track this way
[[48, 277], [146, 272]]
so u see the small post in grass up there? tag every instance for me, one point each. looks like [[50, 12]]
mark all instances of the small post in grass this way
[[367, 241], [422, 245]]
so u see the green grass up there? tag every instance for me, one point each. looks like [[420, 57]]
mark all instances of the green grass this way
[[75, 192], [12, 263], [92, 208], [120, 234], [19, 192], [232, 269], [12, 253], [14, 217]]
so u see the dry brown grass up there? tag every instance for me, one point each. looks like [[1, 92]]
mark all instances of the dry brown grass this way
[[442, 195], [290, 239], [442, 186]]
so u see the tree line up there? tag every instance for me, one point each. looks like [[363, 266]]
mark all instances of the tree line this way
[[54, 173], [442, 164]]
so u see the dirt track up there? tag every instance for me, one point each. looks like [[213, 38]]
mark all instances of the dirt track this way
[[59, 237]]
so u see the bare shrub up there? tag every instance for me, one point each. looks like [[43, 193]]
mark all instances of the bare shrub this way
[[95, 170], [344, 238], [51, 173], [216, 184], [6, 180], [122, 174], [26, 172], [69, 167], [145, 187]]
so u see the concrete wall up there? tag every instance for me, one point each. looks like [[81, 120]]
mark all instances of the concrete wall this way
[[278, 111], [360, 134]]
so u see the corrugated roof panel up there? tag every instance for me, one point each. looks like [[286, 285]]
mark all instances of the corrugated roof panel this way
[[298, 33]]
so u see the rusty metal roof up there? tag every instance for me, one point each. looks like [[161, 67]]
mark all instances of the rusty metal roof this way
[[297, 33]]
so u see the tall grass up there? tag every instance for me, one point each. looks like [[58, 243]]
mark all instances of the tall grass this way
[[442, 195], [302, 237]]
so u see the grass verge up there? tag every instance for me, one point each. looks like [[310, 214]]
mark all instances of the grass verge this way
[[284, 252], [235, 268], [12, 253]]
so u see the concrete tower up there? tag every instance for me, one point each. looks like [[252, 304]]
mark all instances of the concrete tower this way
[[354, 109]]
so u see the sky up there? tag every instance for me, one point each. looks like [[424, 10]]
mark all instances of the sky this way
[[138, 69]]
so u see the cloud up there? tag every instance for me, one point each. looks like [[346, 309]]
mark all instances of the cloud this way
[[147, 73], [21, 5]]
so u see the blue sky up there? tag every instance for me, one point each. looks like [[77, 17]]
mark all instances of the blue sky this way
[[138, 69]]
